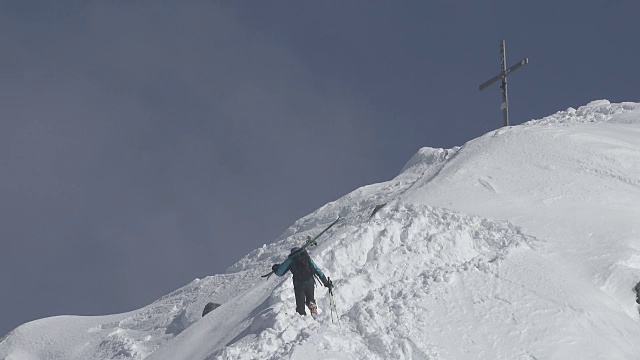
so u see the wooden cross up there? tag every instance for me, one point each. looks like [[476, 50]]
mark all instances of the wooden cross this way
[[503, 75]]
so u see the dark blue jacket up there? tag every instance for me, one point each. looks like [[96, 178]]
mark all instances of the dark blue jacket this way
[[286, 266]]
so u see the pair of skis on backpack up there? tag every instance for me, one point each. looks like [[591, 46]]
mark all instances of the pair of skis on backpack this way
[[310, 241]]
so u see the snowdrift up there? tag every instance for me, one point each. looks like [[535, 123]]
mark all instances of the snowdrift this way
[[520, 244]]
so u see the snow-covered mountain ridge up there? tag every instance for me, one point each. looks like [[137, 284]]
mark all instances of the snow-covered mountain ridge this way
[[521, 244]]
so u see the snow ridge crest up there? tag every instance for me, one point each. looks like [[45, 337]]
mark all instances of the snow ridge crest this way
[[597, 111]]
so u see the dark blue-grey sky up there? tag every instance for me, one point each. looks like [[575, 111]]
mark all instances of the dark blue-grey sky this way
[[144, 144]]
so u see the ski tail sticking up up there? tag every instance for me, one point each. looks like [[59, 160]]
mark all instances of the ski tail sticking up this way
[[310, 241]]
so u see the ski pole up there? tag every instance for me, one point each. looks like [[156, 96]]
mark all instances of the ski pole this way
[[332, 303]]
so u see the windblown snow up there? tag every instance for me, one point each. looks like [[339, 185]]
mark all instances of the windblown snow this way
[[521, 244]]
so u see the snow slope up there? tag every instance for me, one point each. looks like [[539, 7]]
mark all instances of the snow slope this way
[[521, 244]]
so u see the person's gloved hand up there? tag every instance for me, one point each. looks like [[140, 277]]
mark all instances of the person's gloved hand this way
[[275, 267], [329, 283]]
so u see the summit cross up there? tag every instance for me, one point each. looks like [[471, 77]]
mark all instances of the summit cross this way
[[503, 76]]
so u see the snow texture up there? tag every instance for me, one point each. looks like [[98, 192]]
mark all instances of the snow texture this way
[[521, 244]]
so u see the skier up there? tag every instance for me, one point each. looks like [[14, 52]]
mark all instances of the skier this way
[[303, 270]]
